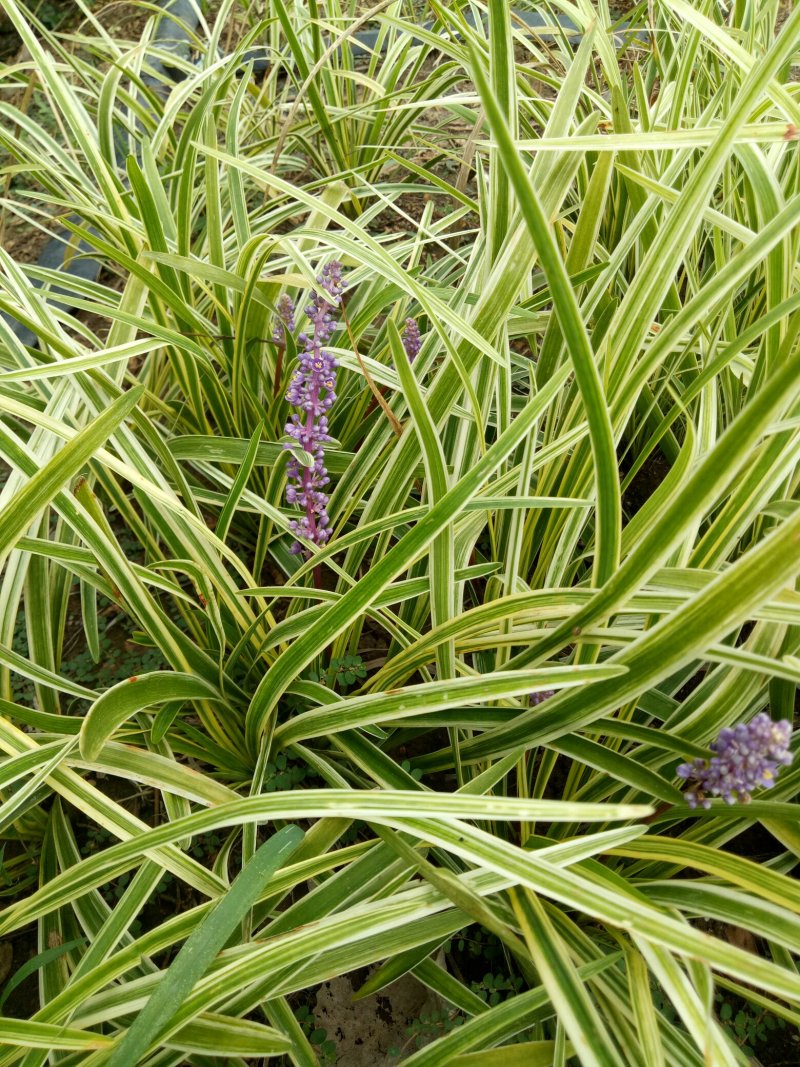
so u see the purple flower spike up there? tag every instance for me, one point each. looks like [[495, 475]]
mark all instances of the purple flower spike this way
[[412, 342], [748, 757], [313, 391], [285, 308]]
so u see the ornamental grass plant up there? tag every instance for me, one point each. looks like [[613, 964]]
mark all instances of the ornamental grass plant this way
[[428, 448]]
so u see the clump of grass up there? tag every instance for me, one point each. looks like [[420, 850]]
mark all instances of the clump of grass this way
[[473, 694]]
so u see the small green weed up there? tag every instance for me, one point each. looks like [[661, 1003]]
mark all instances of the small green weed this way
[[344, 673], [748, 1027], [427, 1028], [317, 1035]]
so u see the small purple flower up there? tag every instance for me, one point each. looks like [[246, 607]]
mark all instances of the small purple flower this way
[[540, 697], [313, 391], [412, 342], [748, 757], [285, 323]]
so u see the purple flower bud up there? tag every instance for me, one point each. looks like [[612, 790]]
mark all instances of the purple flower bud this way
[[747, 757], [540, 697], [412, 342], [285, 308], [312, 390]]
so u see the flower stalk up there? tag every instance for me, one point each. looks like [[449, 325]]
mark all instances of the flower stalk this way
[[312, 392]]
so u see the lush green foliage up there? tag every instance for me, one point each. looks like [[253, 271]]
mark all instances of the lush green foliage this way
[[586, 483]]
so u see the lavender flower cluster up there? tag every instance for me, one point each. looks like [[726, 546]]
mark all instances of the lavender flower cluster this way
[[313, 391], [748, 757]]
